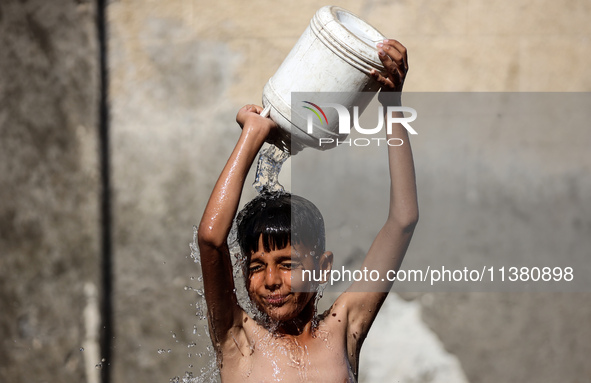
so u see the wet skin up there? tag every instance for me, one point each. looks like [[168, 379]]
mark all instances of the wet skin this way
[[254, 354], [295, 350]]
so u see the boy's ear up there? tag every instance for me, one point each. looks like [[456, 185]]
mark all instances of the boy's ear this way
[[325, 261]]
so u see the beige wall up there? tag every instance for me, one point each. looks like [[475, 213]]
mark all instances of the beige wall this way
[[180, 69]]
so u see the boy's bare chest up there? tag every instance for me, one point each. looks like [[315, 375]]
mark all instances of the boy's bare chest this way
[[255, 355]]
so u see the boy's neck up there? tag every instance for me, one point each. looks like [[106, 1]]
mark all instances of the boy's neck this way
[[303, 323]]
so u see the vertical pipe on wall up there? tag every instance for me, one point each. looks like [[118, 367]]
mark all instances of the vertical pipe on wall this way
[[105, 203]]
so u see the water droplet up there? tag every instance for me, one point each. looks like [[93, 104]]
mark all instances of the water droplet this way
[[81, 348]]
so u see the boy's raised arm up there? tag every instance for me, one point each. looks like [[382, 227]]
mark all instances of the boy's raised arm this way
[[222, 305], [390, 245]]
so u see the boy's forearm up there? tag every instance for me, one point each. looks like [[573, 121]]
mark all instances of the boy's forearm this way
[[403, 196], [222, 206], [403, 192]]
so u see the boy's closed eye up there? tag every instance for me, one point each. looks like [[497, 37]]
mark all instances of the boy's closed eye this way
[[291, 265], [286, 265]]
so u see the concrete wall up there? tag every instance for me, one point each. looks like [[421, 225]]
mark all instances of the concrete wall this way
[[179, 70], [49, 214]]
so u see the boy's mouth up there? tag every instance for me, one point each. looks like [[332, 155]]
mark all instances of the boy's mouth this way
[[276, 299]]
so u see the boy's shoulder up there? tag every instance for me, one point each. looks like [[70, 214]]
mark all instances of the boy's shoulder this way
[[324, 350], [329, 323]]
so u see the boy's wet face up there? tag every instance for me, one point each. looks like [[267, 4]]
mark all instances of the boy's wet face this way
[[275, 283]]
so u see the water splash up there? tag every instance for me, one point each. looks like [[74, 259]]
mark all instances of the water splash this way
[[195, 255], [210, 372], [319, 293], [268, 167]]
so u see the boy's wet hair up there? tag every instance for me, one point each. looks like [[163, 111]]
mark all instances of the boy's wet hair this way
[[281, 219]]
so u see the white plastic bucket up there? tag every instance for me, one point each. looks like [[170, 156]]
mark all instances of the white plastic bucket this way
[[335, 53]]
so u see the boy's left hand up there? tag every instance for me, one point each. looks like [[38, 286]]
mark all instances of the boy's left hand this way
[[395, 60]]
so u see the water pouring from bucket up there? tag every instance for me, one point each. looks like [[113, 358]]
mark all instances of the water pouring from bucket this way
[[334, 56]]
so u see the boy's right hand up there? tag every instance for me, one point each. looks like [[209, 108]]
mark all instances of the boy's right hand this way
[[249, 116]]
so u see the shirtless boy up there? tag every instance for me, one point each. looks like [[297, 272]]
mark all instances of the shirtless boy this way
[[293, 345]]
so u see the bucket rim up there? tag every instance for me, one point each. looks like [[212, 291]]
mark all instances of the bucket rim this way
[[329, 26]]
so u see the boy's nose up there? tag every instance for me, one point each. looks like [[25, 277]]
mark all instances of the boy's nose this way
[[272, 278]]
